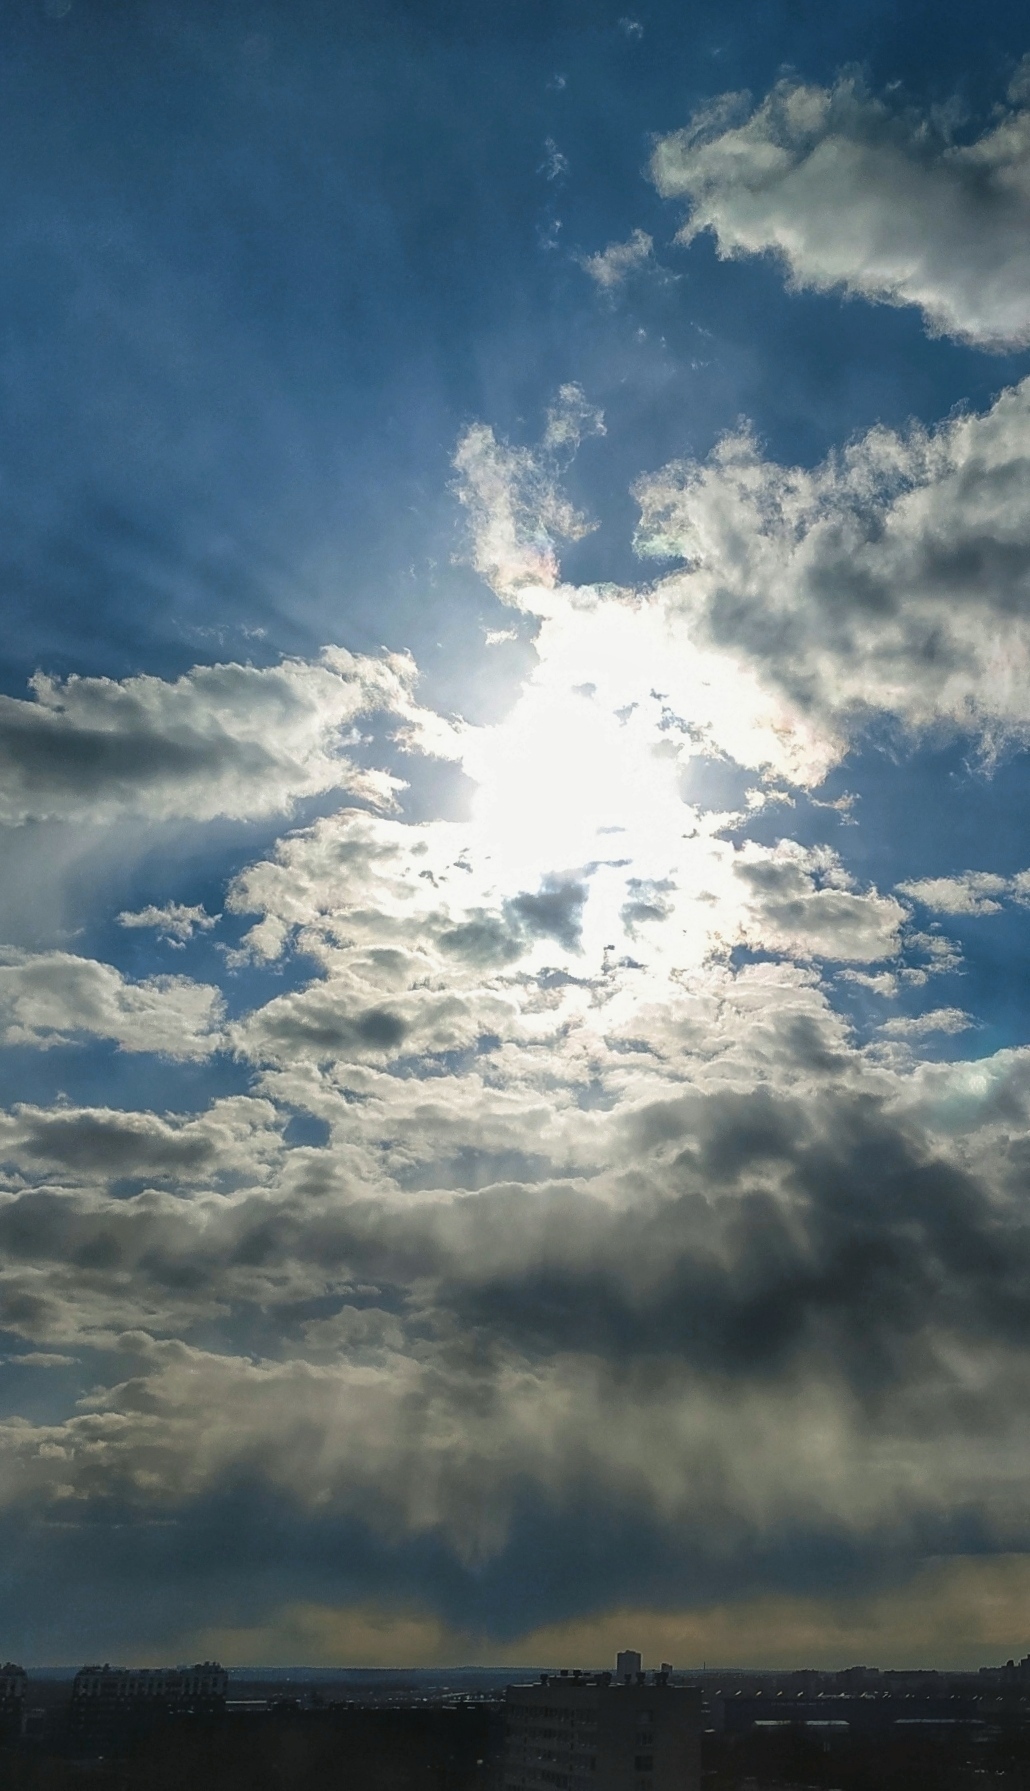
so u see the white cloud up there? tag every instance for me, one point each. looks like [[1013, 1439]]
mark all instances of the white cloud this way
[[974, 892], [231, 740], [571, 419], [610, 266], [869, 197], [971, 892], [516, 513], [49, 998], [940, 1019], [175, 920], [802, 902], [555, 164], [880, 982], [890, 580]]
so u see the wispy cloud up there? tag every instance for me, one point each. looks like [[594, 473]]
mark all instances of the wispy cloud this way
[[946, 1020], [610, 266], [174, 920], [554, 165]]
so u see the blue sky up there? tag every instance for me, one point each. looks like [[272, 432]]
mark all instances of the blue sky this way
[[515, 1068]]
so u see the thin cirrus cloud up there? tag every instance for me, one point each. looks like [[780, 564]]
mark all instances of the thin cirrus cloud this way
[[611, 266], [867, 196]]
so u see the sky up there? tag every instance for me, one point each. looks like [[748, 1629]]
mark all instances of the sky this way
[[514, 840]]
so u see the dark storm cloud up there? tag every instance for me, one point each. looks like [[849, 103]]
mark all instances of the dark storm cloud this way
[[245, 1550], [779, 1233]]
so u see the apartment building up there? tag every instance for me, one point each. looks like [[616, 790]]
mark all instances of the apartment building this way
[[109, 1700], [578, 1731]]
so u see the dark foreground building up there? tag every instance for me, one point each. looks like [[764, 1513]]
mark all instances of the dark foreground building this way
[[110, 1704], [13, 1681], [281, 1749], [578, 1730]]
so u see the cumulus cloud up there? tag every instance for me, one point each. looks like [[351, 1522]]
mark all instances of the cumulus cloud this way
[[890, 580], [971, 892], [867, 196], [85, 1146], [51, 998], [561, 1178], [232, 740], [768, 1244], [631, 1230], [803, 902], [610, 266]]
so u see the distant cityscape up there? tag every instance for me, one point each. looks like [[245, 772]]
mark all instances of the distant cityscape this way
[[511, 1729]]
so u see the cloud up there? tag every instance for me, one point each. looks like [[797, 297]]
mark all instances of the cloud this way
[[881, 982], [949, 1614], [941, 1019], [868, 197], [891, 580], [516, 510], [637, 1249], [562, 1186], [358, 1635], [52, 998], [174, 920], [554, 165], [571, 419], [231, 740], [87, 1146], [803, 902], [972, 892], [610, 266]]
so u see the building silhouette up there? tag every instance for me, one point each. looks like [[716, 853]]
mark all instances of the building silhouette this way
[[13, 1681], [110, 1704], [630, 1732]]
